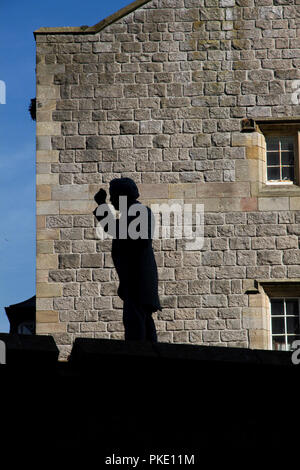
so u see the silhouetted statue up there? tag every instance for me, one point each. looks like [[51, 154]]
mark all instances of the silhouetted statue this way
[[134, 261]]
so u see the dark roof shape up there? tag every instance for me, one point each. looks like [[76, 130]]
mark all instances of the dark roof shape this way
[[23, 311], [98, 26]]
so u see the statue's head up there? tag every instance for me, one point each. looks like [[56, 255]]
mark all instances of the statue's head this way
[[123, 187]]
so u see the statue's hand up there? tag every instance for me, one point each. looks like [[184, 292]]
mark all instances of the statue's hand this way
[[100, 197]]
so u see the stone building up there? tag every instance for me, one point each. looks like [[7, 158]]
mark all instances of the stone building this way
[[195, 100]]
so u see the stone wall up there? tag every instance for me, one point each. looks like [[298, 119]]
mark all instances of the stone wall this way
[[158, 95]]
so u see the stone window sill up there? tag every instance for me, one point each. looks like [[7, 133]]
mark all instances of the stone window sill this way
[[268, 190]]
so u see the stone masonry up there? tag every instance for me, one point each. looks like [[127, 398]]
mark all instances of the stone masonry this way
[[157, 92]]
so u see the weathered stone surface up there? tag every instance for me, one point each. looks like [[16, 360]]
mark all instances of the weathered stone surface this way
[[91, 261], [233, 335], [291, 257], [62, 275], [159, 96], [69, 261]]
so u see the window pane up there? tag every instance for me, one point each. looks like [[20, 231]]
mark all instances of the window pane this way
[[288, 173], [272, 158], [278, 343], [287, 143], [292, 307], [278, 325], [285, 314], [290, 340], [272, 143], [292, 325], [274, 173], [277, 307], [287, 158]]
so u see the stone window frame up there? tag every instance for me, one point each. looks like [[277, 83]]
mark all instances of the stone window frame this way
[[257, 317], [289, 129], [252, 137], [284, 334]]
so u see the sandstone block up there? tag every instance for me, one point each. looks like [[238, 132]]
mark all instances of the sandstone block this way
[[42, 275], [91, 261], [294, 203], [233, 335], [77, 207], [59, 221], [246, 258], [176, 287], [44, 207], [48, 128], [189, 301], [42, 179], [259, 272], [69, 192], [62, 275], [44, 246], [268, 257], [48, 328], [67, 261], [220, 287], [47, 316], [231, 272], [46, 261], [291, 257], [43, 192], [273, 203], [48, 289], [271, 229], [195, 324], [183, 314], [288, 242]]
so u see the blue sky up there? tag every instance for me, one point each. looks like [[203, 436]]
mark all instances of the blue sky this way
[[18, 20]]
